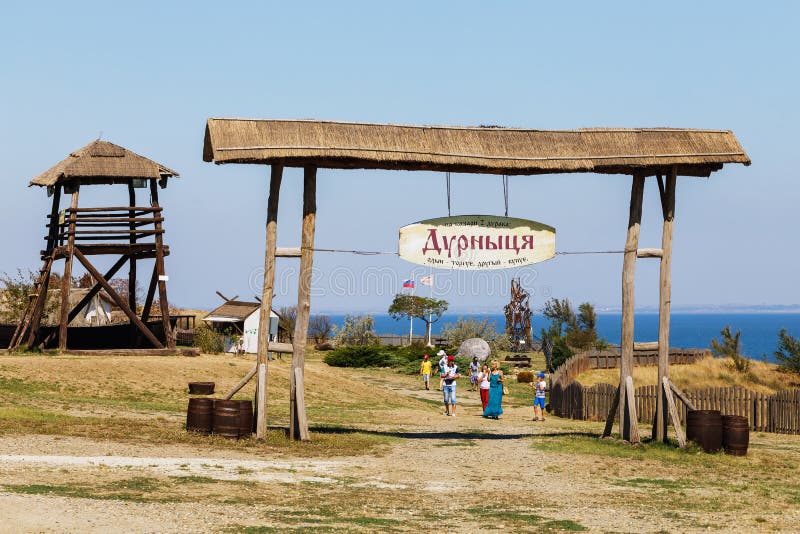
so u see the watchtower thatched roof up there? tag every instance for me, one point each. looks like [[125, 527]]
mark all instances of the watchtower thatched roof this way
[[101, 162], [486, 150]]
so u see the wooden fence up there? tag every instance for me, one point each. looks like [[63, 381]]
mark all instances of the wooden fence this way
[[778, 413], [607, 359]]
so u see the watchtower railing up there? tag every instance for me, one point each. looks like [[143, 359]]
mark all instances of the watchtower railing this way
[[123, 223]]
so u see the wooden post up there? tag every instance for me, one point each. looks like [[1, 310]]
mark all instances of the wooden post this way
[[665, 291], [162, 284], [132, 261], [267, 291], [673, 411], [628, 284], [298, 425], [66, 280]]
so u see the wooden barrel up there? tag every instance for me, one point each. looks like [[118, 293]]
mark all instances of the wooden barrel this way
[[245, 418], [735, 434], [704, 427], [199, 416], [226, 418], [201, 388]]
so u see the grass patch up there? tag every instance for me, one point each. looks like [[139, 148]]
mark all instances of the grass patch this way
[[652, 483], [519, 518]]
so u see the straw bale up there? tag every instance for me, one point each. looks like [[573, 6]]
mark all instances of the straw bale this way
[[101, 162], [489, 150]]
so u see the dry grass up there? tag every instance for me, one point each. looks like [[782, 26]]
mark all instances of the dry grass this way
[[710, 372]]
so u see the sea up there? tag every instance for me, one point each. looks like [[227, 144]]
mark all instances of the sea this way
[[687, 330]]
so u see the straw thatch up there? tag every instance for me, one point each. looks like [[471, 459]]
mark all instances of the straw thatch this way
[[489, 150], [236, 309], [101, 162]]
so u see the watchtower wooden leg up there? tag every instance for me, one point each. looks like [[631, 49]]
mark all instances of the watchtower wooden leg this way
[[665, 292], [132, 267], [628, 286], [162, 284], [267, 291], [298, 424], [66, 281]]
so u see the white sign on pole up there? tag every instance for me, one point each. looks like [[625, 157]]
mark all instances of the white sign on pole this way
[[477, 242]]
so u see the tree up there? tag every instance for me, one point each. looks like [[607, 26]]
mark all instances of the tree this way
[[358, 330], [428, 309], [788, 353], [320, 328], [287, 317], [730, 346], [569, 331], [15, 295]]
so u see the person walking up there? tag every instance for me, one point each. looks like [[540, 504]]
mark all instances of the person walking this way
[[494, 408], [474, 369], [449, 376], [442, 362], [425, 371], [483, 385], [538, 402]]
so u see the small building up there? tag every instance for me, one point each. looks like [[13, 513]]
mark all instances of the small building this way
[[238, 322]]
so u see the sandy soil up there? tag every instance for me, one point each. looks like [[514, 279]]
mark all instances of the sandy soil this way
[[454, 474]]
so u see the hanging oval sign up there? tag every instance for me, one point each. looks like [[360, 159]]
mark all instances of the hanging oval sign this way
[[477, 242]]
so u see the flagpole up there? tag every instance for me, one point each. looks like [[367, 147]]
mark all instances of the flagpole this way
[[430, 294], [411, 317]]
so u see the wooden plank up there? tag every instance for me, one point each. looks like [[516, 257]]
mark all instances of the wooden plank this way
[[143, 209], [287, 252], [612, 413], [182, 351], [649, 253], [682, 396], [665, 299], [242, 383], [151, 292], [302, 423], [162, 284], [645, 346], [673, 412], [634, 420], [118, 300], [66, 280], [628, 293], [296, 421]]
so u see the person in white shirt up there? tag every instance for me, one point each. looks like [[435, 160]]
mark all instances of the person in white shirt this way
[[449, 375]]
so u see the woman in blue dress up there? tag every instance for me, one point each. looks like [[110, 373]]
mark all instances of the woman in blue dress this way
[[494, 408]]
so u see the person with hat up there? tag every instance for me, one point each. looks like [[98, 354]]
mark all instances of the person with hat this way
[[540, 386], [425, 371], [449, 375]]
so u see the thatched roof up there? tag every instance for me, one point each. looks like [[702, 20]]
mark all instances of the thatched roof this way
[[101, 162], [236, 309], [488, 150]]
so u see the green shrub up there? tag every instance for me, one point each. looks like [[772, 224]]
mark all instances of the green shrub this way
[[359, 356], [526, 377], [208, 341], [356, 330]]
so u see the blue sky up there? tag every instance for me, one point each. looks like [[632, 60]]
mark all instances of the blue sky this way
[[147, 75]]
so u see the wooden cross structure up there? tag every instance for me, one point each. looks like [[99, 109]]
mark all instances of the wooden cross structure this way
[[663, 153], [131, 232]]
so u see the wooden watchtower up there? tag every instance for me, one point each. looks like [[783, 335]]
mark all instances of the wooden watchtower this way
[[132, 232]]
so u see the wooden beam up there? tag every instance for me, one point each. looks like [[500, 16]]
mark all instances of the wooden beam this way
[[645, 345], [649, 253], [132, 261], [96, 289], [267, 292], [302, 421], [151, 292], [682, 396], [630, 396], [287, 252], [118, 300], [162, 284], [282, 348], [66, 280], [673, 412], [628, 292], [664, 297], [243, 382], [298, 425], [612, 413]]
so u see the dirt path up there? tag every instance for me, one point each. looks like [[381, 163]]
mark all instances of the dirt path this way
[[455, 474]]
